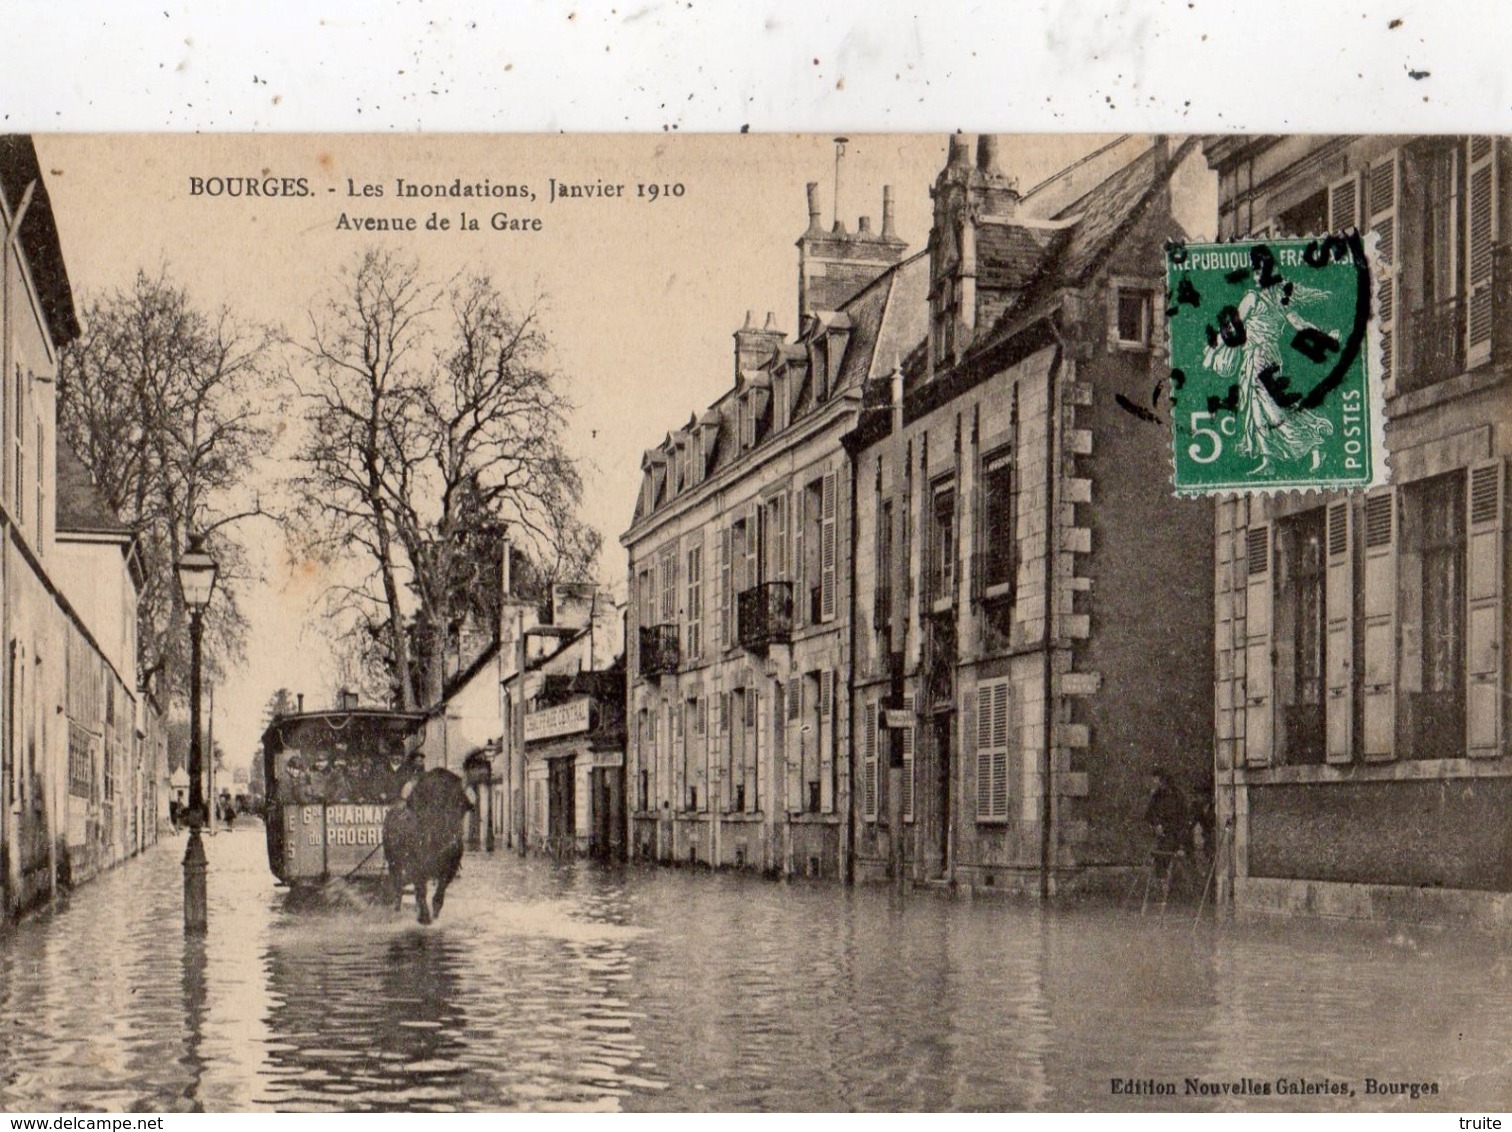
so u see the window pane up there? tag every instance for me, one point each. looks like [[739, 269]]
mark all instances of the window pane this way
[[1131, 316]]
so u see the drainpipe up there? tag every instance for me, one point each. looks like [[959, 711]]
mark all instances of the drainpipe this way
[[848, 866], [1052, 495], [517, 735]]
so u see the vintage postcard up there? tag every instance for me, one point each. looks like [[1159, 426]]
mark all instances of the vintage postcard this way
[[752, 622]]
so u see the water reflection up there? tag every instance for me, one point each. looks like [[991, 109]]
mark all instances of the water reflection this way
[[548, 987], [193, 1060]]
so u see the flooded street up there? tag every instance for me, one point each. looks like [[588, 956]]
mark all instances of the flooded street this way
[[545, 987]]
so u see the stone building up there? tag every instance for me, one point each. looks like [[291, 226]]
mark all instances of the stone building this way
[[739, 559], [568, 647], [81, 751], [1362, 749], [1028, 594], [573, 732]]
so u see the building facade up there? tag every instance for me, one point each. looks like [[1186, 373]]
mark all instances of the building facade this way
[[574, 764], [739, 560], [81, 751], [569, 648], [1027, 591], [1362, 747]]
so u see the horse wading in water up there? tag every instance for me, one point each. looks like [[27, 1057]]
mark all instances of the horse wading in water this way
[[422, 839]]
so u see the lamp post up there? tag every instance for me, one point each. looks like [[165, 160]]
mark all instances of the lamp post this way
[[196, 572]]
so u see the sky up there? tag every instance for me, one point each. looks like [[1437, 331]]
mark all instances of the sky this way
[[641, 295]]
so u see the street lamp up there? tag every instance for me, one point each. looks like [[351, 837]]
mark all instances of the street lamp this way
[[196, 575]]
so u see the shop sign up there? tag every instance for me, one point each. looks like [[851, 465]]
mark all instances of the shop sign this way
[[559, 719]]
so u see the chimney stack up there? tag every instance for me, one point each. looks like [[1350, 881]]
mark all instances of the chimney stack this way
[[814, 225], [753, 347], [834, 265], [987, 155]]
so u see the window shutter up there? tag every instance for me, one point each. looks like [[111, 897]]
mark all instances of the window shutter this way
[[726, 606], [703, 753], [753, 546], [806, 705], [653, 760], [1338, 660], [1383, 190], [992, 751], [827, 550], [679, 744], [1380, 613], [780, 540], [1485, 623], [705, 600], [1480, 238], [793, 744], [869, 763], [1259, 713], [984, 752], [827, 741], [800, 567], [1344, 204], [779, 745], [752, 749], [722, 744], [908, 759]]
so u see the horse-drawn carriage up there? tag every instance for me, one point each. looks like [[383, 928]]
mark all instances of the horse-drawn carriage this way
[[331, 777], [349, 797]]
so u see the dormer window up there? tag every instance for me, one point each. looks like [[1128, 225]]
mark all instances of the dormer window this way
[[819, 362], [1132, 318]]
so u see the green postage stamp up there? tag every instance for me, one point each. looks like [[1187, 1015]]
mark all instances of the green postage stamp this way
[[1275, 365]]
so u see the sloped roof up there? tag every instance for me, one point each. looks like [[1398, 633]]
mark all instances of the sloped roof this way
[[81, 509], [880, 324], [1107, 211], [1009, 255], [1098, 221], [39, 235], [888, 318]]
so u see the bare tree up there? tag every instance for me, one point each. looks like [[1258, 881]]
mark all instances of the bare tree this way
[[435, 416], [165, 405]]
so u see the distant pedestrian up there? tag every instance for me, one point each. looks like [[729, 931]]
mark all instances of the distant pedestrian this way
[[1203, 819], [1168, 818]]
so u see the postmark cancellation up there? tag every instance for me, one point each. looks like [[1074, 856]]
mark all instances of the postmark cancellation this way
[[1277, 359]]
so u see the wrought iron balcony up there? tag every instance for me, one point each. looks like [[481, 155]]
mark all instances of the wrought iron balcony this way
[[660, 651], [765, 615]]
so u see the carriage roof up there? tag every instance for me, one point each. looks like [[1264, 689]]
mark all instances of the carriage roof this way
[[311, 727]]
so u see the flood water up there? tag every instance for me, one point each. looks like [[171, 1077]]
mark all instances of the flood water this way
[[546, 987]]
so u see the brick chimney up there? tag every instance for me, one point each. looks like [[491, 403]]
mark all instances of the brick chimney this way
[[833, 265]]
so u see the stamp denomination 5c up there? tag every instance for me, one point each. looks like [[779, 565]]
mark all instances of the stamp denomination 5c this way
[[1274, 369]]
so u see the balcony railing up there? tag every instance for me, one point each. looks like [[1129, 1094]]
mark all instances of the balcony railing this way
[[659, 650], [765, 615], [1436, 338]]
